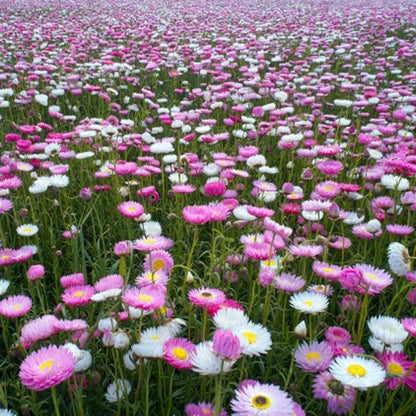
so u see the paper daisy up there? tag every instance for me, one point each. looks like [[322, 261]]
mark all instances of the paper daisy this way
[[27, 230], [357, 372], [309, 302]]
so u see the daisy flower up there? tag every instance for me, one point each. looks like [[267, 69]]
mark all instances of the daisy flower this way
[[387, 329], [309, 302], [152, 243], [206, 297], [375, 279], [357, 372], [5, 205], [340, 398], [78, 295], [202, 409], [397, 367], [27, 230], [313, 357], [229, 317], [152, 341], [4, 285], [409, 325], [112, 281], [131, 209], [177, 352], [206, 362], [158, 260], [46, 368], [257, 399], [326, 270], [254, 338], [37, 329], [306, 250], [15, 306], [145, 298]]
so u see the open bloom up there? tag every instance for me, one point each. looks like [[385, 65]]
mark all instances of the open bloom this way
[[309, 302], [313, 357], [46, 368], [357, 372], [177, 352], [15, 306], [257, 399], [131, 209]]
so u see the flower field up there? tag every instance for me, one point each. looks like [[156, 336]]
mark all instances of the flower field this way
[[207, 207]]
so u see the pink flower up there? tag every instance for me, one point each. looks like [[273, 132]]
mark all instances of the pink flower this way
[[78, 295], [177, 352], [259, 251], [337, 335], [151, 243], [15, 306], [46, 368], [350, 278], [158, 260], [112, 281], [122, 248], [145, 298], [35, 272], [37, 329], [306, 250], [72, 280], [206, 297], [215, 188], [131, 209], [226, 345], [313, 357], [197, 214], [5, 205]]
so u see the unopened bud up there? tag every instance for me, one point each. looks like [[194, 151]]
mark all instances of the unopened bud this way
[[300, 330], [189, 277]]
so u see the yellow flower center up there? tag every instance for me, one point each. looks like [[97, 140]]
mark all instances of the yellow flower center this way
[[293, 195], [357, 370], [156, 337], [180, 353], [145, 298], [313, 356], [328, 188], [260, 402], [320, 287], [131, 209], [151, 276], [328, 269], [269, 263], [308, 302], [46, 364], [27, 229], [79, 294], [17, 307], [158, 264], [250, 337], [371, 276], [149, 241], [5, 256], [395, 368]]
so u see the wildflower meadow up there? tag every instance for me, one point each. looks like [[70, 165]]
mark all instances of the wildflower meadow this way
[[207, 207]]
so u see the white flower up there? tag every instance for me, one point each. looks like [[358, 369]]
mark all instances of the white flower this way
[[27, 230], [230, 317], [398, 258], [42, 99], [357, 372], [211, 169], [121, 340], [206, 362], [373, 226], [178, 178], [387, 329], [171, 158], [129, 361], [7, 412], [254, 338], [354, 219], [164, 147], [4, 285], [106, 294], [151, 228], [52, 148], [309, 302], [84, 155], [280, 96], [256, 161], [241, 213], [107, 324], [152, 341], [117, 390], [59, 181], [343, 103], [395, 182], [301, 330]]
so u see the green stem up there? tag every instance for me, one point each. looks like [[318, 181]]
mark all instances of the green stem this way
[[55, 401], [218, 398]]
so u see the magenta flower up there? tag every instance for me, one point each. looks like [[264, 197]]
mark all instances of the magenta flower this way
[[202, 409], [206, 297], [5, 205], [131, 209], [177, 352], [78, 295], [37, 329], [122, 248], [226, 345], [47, 368], [155, 242], [72, 280], [35, 272], [145, 298], [112, 281], [306, 250], [15, 306], [158, 260], [198, 214]]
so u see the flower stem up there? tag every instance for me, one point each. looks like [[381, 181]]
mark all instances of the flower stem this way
[[55, 401]]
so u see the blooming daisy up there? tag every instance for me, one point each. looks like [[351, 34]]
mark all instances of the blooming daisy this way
[[229, 317], [399, 370], [27, 230], [202, 409], [257, 399], [206, 297], [117, 390], [78, 295], [145, 298], [5, 205], [152, 243], [4, 285], [206, 362], [340, 398], [255, 339], [177, 352], [46, 368], [325, 270], [357, 372], [313, 357], [152, 342], [131, 209], [37, 329], [306, 250], [15, 306], [289, 282], [309, 302], [158, 260], [387, 329]]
